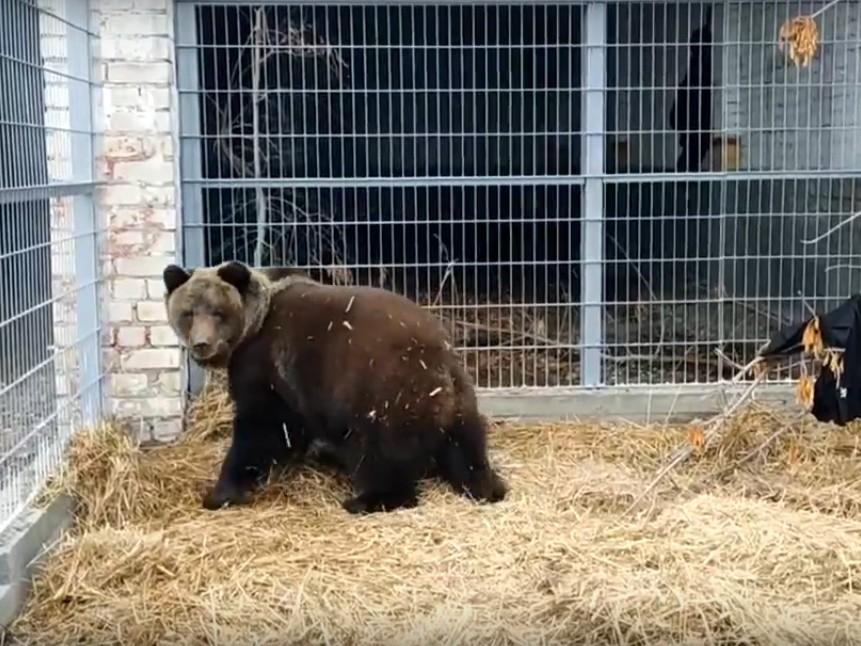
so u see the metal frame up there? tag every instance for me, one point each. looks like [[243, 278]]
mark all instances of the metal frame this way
[[190, 238], [34, 449], [594, 180]]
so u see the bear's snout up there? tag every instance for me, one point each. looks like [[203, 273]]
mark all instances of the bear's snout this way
[[204, 342], [203, 349]]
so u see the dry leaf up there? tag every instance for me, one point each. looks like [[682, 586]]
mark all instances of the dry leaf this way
[[697, 438], [834, 361], [805, 391], [812, 338], [793, 455], [802, 37]]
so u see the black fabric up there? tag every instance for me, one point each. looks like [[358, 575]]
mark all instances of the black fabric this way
[[834, 400]]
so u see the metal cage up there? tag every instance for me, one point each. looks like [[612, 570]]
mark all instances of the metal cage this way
[[593, 195], [50, 366]]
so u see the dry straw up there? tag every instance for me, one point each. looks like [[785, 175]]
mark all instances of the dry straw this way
[[750, 541], [799, 36]]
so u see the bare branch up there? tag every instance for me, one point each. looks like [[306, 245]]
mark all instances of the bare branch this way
[[831, 231], [260, 33]]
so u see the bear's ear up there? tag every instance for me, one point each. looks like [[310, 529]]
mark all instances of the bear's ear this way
[[174, 276], [236, 274]]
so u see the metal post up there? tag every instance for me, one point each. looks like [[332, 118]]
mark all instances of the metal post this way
[[86, 248], [592, 239], [191, 240]]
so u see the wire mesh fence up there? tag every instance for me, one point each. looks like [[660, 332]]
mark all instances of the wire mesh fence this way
[[49, 326], [591, 194]]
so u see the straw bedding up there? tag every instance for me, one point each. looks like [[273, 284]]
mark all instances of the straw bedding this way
[[767, 552]]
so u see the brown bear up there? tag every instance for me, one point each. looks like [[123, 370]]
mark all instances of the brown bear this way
[[364, 373]]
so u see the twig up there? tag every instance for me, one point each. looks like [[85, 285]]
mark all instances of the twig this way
[[806, 305], [448, 271], [260, 40], [833, 267], [686, 359], [648, 285], [554, 343], [822, 10], [753, 452], [722, 355], [711, 432], [831, 231]]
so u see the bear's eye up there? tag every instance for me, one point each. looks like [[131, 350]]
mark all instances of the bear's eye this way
[[187, 314], [218, 314]]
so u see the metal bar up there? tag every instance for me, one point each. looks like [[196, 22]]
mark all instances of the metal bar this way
[[519, 180], [381, 182], [592, 244], [83, 168], [382, 3], [59, 19], [191, 236], [48, 191], [58, 74]]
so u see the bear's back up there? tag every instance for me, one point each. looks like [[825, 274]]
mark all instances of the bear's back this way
[[343, 350], [309, 308]]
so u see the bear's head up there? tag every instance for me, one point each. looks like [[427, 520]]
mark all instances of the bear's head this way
[[213, 309]]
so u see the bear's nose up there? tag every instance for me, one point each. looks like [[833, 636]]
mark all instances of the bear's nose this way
[[201, 347]]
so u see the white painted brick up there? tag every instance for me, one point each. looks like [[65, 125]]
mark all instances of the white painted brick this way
[[165, 406], [123, 96], [160, 196], [130, 120], [127, 148], [119, 312], [151, 359], [122, 195], [138, 207], [170, 382], [151, 311], [128, 288], [155, 288], [131, 337], [142, 72], [56, 97], [153, 48], [164, 242], [162, 335], [150, 5], [149, 407], [110, 360], [167, 147], [127, 238], [165, 430], [134, 24], [128, 384], [147, 217], [155, 98], [142, 266], [154, 170]]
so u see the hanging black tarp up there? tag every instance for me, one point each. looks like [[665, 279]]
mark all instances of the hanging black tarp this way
[[836, 397]]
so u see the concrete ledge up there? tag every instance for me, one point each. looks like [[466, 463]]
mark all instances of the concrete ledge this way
[[638, 404], [23, 546]]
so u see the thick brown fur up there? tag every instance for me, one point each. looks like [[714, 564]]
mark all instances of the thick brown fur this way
[[361, 372]]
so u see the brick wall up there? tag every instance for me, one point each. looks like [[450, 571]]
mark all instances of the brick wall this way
[[139, 207]]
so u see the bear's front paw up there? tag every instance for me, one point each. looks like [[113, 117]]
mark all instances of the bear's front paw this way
[[357, 505], [216, 499]]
